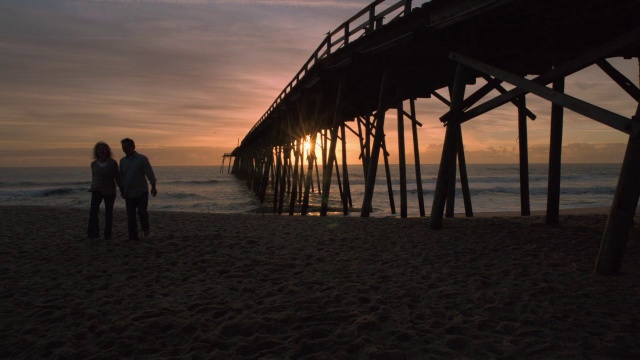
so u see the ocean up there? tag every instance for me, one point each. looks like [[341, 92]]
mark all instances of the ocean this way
[[206, 189]]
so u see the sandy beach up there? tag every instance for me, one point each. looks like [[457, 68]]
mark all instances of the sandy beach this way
[[212, 286]]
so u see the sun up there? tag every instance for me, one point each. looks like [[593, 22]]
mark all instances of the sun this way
[[307, 145]]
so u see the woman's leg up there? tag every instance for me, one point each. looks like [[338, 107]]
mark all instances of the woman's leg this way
[[108, 215], [93, 231]]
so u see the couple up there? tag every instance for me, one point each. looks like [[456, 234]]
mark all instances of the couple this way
[[131, 178]]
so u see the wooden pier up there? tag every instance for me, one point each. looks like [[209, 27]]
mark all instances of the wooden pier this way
[[224, 157], [393, 53]]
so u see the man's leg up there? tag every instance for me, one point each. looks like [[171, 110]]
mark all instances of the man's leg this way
[[93, 231], [108, 215], [131, 218], [143, 203]]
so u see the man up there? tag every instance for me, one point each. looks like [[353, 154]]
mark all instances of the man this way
[[135, 170]]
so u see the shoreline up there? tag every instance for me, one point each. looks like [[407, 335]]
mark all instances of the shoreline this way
[[337, 212], [253, 286], [563, 212]]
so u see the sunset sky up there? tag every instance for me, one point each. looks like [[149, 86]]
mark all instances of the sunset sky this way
[[187, 79]]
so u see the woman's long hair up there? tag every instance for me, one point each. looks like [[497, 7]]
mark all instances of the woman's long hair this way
[[97, 145]]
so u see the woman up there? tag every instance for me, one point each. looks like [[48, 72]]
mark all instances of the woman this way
[[104, 178]]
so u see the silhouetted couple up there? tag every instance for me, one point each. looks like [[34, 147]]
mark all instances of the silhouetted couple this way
[[130, 177]]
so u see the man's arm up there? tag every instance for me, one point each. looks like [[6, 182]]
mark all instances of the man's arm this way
[[148, 171], [122, 192], [118, 177]]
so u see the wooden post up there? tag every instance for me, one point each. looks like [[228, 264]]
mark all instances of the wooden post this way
[[324, 140], [294, 187], [387, 171], [364, 144], [451, 189], [367, 143], [273, 173], [407, 7], [402, 161], [277, 178], [555, 158], [257, 169], [623, 209], [253, 170], [302, 177], [346, 33], [312, 186], [363, 155], [309, 182], [245, 167], [290, 148], [375, 151], [343, 195], [326, 176], [525, 207], [265, 176], [345, 170], [449, 149], [464, 180], [368, 138], [283, 176], [236, 165], [451, 192], [257, 175], [416, 155], [315, 161], [372, 20], [250, 168]]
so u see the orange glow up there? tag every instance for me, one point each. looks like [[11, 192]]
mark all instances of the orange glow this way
[[306, 145]]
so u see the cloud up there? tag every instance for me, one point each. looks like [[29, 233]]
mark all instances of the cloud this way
[[201, 74], [296, 3], [159, 156], [172, 74]]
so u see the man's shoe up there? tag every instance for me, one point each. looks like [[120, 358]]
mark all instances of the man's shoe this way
[[146, 233]]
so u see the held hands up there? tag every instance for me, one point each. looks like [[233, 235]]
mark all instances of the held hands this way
[[154, 192]]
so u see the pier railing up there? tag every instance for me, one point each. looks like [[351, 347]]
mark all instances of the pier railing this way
[[366, 21]]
